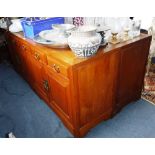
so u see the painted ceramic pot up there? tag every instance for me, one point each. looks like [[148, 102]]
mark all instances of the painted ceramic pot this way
[[78, 21], [85, 41]]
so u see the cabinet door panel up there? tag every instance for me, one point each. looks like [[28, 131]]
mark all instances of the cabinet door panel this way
[[15, 55], [29, 67], [22, 52], [38, 75], [11, 51], [59, 89]]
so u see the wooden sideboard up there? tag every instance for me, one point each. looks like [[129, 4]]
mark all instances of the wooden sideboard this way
[[82, 91]]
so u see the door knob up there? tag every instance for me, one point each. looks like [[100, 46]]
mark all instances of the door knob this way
[[46, 86]]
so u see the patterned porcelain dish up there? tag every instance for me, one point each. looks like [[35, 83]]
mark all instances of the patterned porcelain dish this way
[[84, 41]]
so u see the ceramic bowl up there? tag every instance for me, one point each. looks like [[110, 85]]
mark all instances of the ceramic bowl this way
[[63, 27]]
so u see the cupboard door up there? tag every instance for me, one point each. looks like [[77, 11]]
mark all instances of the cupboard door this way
[[37, 71], [39, 76], [11, 51], [16, 59], [132, 70], [22, 51], [29, 67], [58, 92]]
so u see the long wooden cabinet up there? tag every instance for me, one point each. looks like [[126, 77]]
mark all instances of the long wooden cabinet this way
[[82, 91]]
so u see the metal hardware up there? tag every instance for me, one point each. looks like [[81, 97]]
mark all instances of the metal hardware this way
[[46, 86], [56, 68], [37, 56], [23, 47]]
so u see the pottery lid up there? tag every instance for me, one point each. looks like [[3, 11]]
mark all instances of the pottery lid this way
[[63, 27], [84, 31], [86, 28]]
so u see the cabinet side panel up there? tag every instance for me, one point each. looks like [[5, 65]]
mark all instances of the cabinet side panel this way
[[96, 83], [132, 72]]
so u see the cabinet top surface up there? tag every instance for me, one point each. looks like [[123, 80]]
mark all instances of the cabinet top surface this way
[[68, 57]]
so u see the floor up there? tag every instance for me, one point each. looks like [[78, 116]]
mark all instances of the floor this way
[[26, 115]]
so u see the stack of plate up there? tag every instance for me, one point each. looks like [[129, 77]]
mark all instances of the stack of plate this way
[[56, 37]]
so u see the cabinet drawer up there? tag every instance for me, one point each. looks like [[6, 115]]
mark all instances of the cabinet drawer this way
[[18, 46], [23, 47], [57, 67], [38, 55], [14, 42]]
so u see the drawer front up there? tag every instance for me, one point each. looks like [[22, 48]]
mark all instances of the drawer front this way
[[38, 55], [14, 40], [14, 43], [23, 47], [57, 67]]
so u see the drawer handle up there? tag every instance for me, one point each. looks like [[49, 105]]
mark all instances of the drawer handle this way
[[23, 47], [37, 56], [46, 86], [56, 68]]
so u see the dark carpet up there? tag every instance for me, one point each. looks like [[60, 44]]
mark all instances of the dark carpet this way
[[26, 115]]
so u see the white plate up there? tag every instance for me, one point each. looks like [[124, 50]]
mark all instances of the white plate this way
[[54, 36], [48, 43]]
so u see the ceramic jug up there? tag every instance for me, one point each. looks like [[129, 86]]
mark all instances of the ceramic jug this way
[[85, 41]]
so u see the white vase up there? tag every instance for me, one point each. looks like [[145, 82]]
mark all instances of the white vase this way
[[85, 41], [16, 26]]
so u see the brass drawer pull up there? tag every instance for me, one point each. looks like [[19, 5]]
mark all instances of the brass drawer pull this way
[[46, 86], [37, 56], [23, 47], [56, 68]]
